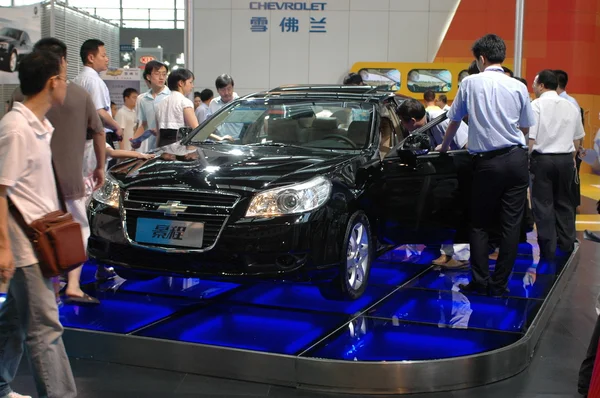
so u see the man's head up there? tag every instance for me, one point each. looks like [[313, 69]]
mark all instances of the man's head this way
[[353, 79], [489, 50], [546, 80], [442, 100], [93, 54], [563, 79], [429, 96], [155, 73], [522, 80], [412, 114], [206, 95], [181, 80], [197, 100], [113, 108], [130, 97], [508, 71], [43, 73], [224, 84], [473, 68], [53, 45]]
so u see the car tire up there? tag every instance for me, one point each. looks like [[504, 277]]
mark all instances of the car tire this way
[[355, 264], [13, 61]]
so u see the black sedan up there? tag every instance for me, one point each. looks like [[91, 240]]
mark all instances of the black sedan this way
[[14, 45], [316, 182]]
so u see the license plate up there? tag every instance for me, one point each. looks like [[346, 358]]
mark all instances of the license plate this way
[[169, 232]]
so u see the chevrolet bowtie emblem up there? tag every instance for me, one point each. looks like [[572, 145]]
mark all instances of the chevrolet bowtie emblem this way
[[171, 208]]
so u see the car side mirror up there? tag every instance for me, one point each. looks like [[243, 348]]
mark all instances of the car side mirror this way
[[183, 132]]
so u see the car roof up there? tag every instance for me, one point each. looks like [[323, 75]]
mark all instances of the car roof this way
[[327, 91]]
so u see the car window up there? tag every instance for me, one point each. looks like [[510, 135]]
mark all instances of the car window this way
[[316, 124], [9, 32], [437, 80]]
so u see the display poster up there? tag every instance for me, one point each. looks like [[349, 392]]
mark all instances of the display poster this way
[[20, 29], [119, 79]]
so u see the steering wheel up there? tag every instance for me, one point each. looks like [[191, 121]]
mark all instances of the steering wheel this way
[[341, 138]]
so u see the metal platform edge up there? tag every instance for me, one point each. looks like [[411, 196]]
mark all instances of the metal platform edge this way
[[350, 377]]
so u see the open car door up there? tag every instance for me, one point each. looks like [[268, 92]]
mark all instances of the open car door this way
[[423, 196]]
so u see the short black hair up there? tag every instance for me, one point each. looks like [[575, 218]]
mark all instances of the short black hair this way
[[223, 81], [429, 96], [522, 80], [153, 66], [53, 45], [35, 69], [491, 47], [443, 98], [90, 46], [563, 78], [353, 79], [206, 94], [473, 69], [178, 75], [548, 78], [509, 71], [128, 91], [196, 94], [411, 109]]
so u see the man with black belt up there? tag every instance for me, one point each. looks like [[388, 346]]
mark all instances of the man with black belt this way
[[553, 142], [496, 105]]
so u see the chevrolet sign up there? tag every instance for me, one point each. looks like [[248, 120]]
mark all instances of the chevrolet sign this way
[[171, 208], [286, 6]]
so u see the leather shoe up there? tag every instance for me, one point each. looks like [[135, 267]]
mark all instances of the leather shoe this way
[[473, 288], [455, 264], [441, 260]]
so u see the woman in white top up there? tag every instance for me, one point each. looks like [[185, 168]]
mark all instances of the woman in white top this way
[[177, 110]]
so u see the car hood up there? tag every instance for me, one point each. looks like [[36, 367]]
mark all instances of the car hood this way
[[229, 167]]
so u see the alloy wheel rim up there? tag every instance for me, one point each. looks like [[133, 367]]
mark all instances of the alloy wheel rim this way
[[13, 62], [357, 256]]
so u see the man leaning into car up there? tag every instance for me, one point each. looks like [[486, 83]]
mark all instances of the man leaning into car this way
[[496, 104]]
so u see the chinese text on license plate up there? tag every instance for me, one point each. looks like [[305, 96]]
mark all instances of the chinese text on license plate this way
[[169, 232]]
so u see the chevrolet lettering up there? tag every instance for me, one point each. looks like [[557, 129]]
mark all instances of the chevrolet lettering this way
[[286, 6]]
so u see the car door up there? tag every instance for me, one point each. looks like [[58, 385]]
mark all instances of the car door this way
[[423, 196]]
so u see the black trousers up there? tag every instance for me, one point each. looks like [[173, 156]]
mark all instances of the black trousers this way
[[166, 137], [500, 181], [554, 202], [587, 366]]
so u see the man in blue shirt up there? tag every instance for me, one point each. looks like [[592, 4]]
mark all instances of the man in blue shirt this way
[[500, 115]]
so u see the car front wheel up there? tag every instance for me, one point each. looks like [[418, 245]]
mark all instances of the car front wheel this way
[[12, 62], [357, 252]]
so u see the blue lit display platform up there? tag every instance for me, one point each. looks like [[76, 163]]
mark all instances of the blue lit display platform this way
[[412, 330]]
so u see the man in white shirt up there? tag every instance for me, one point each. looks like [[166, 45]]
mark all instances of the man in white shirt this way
[[155, 75], [553, 143], [561, 90], [224, 84], [442, 102], [126, 116], [95, 60], [202, 112], [29, 322]]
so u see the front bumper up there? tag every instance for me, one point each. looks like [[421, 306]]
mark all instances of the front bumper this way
[[291, 247]]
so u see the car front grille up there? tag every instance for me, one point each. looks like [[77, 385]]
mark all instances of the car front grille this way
[[211, 208]]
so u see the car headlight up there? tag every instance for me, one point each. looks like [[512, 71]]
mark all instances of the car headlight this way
[[109, 192], [4, 46], [291, 199]]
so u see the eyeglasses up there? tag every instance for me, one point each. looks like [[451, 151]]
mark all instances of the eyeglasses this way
[[59, 77], [159, 74]]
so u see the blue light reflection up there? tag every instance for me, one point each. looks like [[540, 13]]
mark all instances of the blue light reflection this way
[[183, 287], [258, 329]]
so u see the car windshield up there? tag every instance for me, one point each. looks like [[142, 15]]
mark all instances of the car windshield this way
[[335, 124], [12, 33]]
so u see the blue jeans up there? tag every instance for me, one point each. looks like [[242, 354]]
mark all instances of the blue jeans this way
[[29, 321]]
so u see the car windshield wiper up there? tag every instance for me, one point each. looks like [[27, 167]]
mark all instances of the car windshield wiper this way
[[208, 141], [280, 144]]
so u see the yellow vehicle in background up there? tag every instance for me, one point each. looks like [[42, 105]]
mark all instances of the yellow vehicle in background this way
[[413, 79]]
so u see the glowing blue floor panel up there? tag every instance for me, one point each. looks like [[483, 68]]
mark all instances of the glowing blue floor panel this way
[[456, 310], [251, 328], [385, 340], [411, 310]]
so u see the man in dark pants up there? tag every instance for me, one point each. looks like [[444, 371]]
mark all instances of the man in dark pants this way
[[553, 142], [496, 105]]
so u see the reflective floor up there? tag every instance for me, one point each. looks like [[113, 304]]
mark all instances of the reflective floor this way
[[410, 311]]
